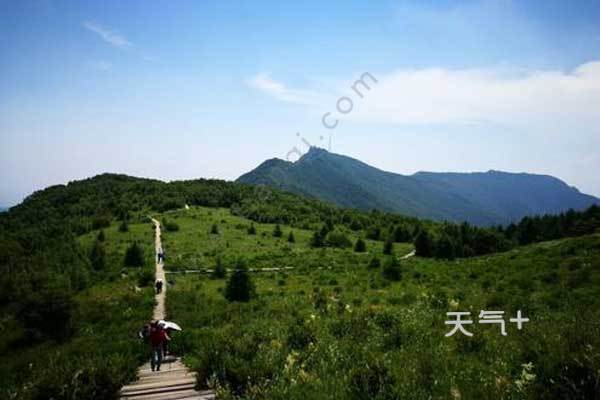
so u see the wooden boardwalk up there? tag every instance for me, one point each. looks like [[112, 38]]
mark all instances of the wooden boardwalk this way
[[174, 381]]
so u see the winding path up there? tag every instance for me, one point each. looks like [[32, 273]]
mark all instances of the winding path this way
[[174, 381]]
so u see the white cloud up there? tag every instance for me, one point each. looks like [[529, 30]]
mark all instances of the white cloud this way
[[438, 95], [109, 36], [463, 96], [278, 90]]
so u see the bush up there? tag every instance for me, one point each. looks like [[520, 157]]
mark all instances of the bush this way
[[391, 270], [220, 272], [240, 287], [98, 256], [291, 238], [124, 227], [134, 256], [277, 231], [300, 335], [100, 222], [48, 315], [146, 277], [101, 236], [214, 229], [338, 239], [375, 263], [388, 247], [360, 246], [170, 226], [251, 230], [423, 247]]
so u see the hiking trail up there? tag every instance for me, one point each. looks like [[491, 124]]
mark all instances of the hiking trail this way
[[174, 381]]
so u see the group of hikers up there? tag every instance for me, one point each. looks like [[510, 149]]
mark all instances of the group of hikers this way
[[159, 285], [158, 338]]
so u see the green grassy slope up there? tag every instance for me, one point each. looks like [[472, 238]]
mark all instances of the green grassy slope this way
[[333, 328], [103, 352], [194, 247]]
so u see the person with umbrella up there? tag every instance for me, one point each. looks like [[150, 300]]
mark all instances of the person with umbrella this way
[[169, 327], [158, 339]]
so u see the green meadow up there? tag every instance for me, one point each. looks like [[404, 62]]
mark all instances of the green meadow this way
[[333, 325]]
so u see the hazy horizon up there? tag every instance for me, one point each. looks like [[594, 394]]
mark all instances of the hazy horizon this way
[[210, 90]]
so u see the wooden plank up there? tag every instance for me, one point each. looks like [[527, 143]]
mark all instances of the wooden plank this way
[[178, 395], [158, 385]]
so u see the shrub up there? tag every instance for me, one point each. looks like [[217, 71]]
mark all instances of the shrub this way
[[360, 246], [146, 277], [240, 287], [48, 315], [388, 247], [375, 263], [100, 222], [214, 229], [220, 272], [277, 231], [134, 256], [423, 247], [170, 226], [98, 256], [291, 238], [317, 239], [391, 270], [101, 236], [124, 227], [445, 248], [338, 239], [300, 335], [251, 230]]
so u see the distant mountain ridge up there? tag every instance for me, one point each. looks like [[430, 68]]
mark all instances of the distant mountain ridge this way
[[481, 198]]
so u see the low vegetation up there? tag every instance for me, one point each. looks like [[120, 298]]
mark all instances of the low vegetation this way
[[342, 317]]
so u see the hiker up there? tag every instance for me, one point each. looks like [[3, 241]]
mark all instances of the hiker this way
[[144, 333], [159, 285], [158, 337]]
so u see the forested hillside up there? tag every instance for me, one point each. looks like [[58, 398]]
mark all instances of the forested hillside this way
[[480, 198]]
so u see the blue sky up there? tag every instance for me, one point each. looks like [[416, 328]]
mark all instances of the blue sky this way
[[177, 90]]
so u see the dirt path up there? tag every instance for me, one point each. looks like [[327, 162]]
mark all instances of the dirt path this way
[[174, 381]]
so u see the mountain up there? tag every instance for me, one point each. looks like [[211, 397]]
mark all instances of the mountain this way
[[481, 198]]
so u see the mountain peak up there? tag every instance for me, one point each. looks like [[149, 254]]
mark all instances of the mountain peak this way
[[313, 153], [481, 198]]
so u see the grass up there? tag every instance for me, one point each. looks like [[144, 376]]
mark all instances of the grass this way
[[104, 352], [332, 328]]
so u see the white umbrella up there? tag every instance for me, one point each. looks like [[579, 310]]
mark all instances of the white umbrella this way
[[169, 325]]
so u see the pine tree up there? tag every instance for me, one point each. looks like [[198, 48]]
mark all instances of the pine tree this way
[[318, 239], [214, 229], [220, 272], [391, 270], [374, 263], [445, 248], [360, 246], [277, 231], [239, 286], [124, 227], [98, 256], [402, 234], [251, 230], [101, 237], [423, 247], [388, 247], [134, 256], [291, 238]]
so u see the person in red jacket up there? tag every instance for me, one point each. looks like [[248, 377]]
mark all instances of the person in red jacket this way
[[158, 338]]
